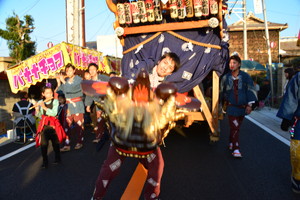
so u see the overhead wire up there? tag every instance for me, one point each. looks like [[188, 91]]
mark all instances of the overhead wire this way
[[51, 37], [34, 4], [95, 16], [105, 21]]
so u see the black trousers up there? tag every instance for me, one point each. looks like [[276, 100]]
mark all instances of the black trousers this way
[[49, 134]]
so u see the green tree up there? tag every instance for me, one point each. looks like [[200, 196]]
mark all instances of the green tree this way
[[18, 39]]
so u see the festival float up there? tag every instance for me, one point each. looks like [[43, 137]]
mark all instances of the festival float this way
[[147, 29], [193, 29]]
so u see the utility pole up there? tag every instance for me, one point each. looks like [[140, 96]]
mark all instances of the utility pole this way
[[269, 50], [245, 31], [75, 20], [82, 9]]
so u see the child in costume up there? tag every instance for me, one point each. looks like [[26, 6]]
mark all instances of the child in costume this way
[[99, 125], [238, 92], [62, 111], [49, 127]]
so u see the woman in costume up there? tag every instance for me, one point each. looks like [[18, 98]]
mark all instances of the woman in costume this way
[[71, 87]]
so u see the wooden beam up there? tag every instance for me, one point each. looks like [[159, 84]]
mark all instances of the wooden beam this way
[[213, 127], [190, 117], [215, 98]]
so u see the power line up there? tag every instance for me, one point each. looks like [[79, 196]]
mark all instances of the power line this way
[[53, 35], [95, 16], [49, 38], [106, 19], [34, 4]]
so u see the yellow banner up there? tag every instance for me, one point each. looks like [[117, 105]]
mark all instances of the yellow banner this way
[[49, 62], [81, 57], [37, 68]]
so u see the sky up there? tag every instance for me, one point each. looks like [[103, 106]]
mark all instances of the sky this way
[[50, 23]]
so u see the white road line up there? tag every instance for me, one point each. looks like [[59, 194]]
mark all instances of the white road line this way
[[274, 134], [16, 151]]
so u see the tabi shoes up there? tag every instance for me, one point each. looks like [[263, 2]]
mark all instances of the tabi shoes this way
[[236, 153], [78, 146], [44, 166], [96, 140], [65, 148], [57, 161], [230, 146]]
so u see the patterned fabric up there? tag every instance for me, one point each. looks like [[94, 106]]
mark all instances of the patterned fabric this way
[[196, 61], [238, 92], [235, 124], [154, 163], [78, 125], [100, 127]]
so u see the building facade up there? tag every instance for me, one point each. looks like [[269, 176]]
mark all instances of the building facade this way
[[256, 39]]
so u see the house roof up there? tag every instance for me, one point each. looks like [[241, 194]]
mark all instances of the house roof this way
[[289, 45], [255, 23], [5, 63]]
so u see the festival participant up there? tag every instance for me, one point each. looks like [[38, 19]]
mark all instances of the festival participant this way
[[238, 92], [99, 126], [290, 110], [71, 87], [87, 75], [49, 127], [167, 64], [112, 74], [289, 73], [62, 111], [126, 140]]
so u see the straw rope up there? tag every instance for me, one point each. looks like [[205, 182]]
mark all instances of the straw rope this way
[[176, 35], [193, 41], [142, 43]]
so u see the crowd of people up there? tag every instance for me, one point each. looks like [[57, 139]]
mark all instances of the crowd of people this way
[[63, 109], [59, 113]]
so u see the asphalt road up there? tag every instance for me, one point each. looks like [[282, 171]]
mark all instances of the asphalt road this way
[[194, 169]]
